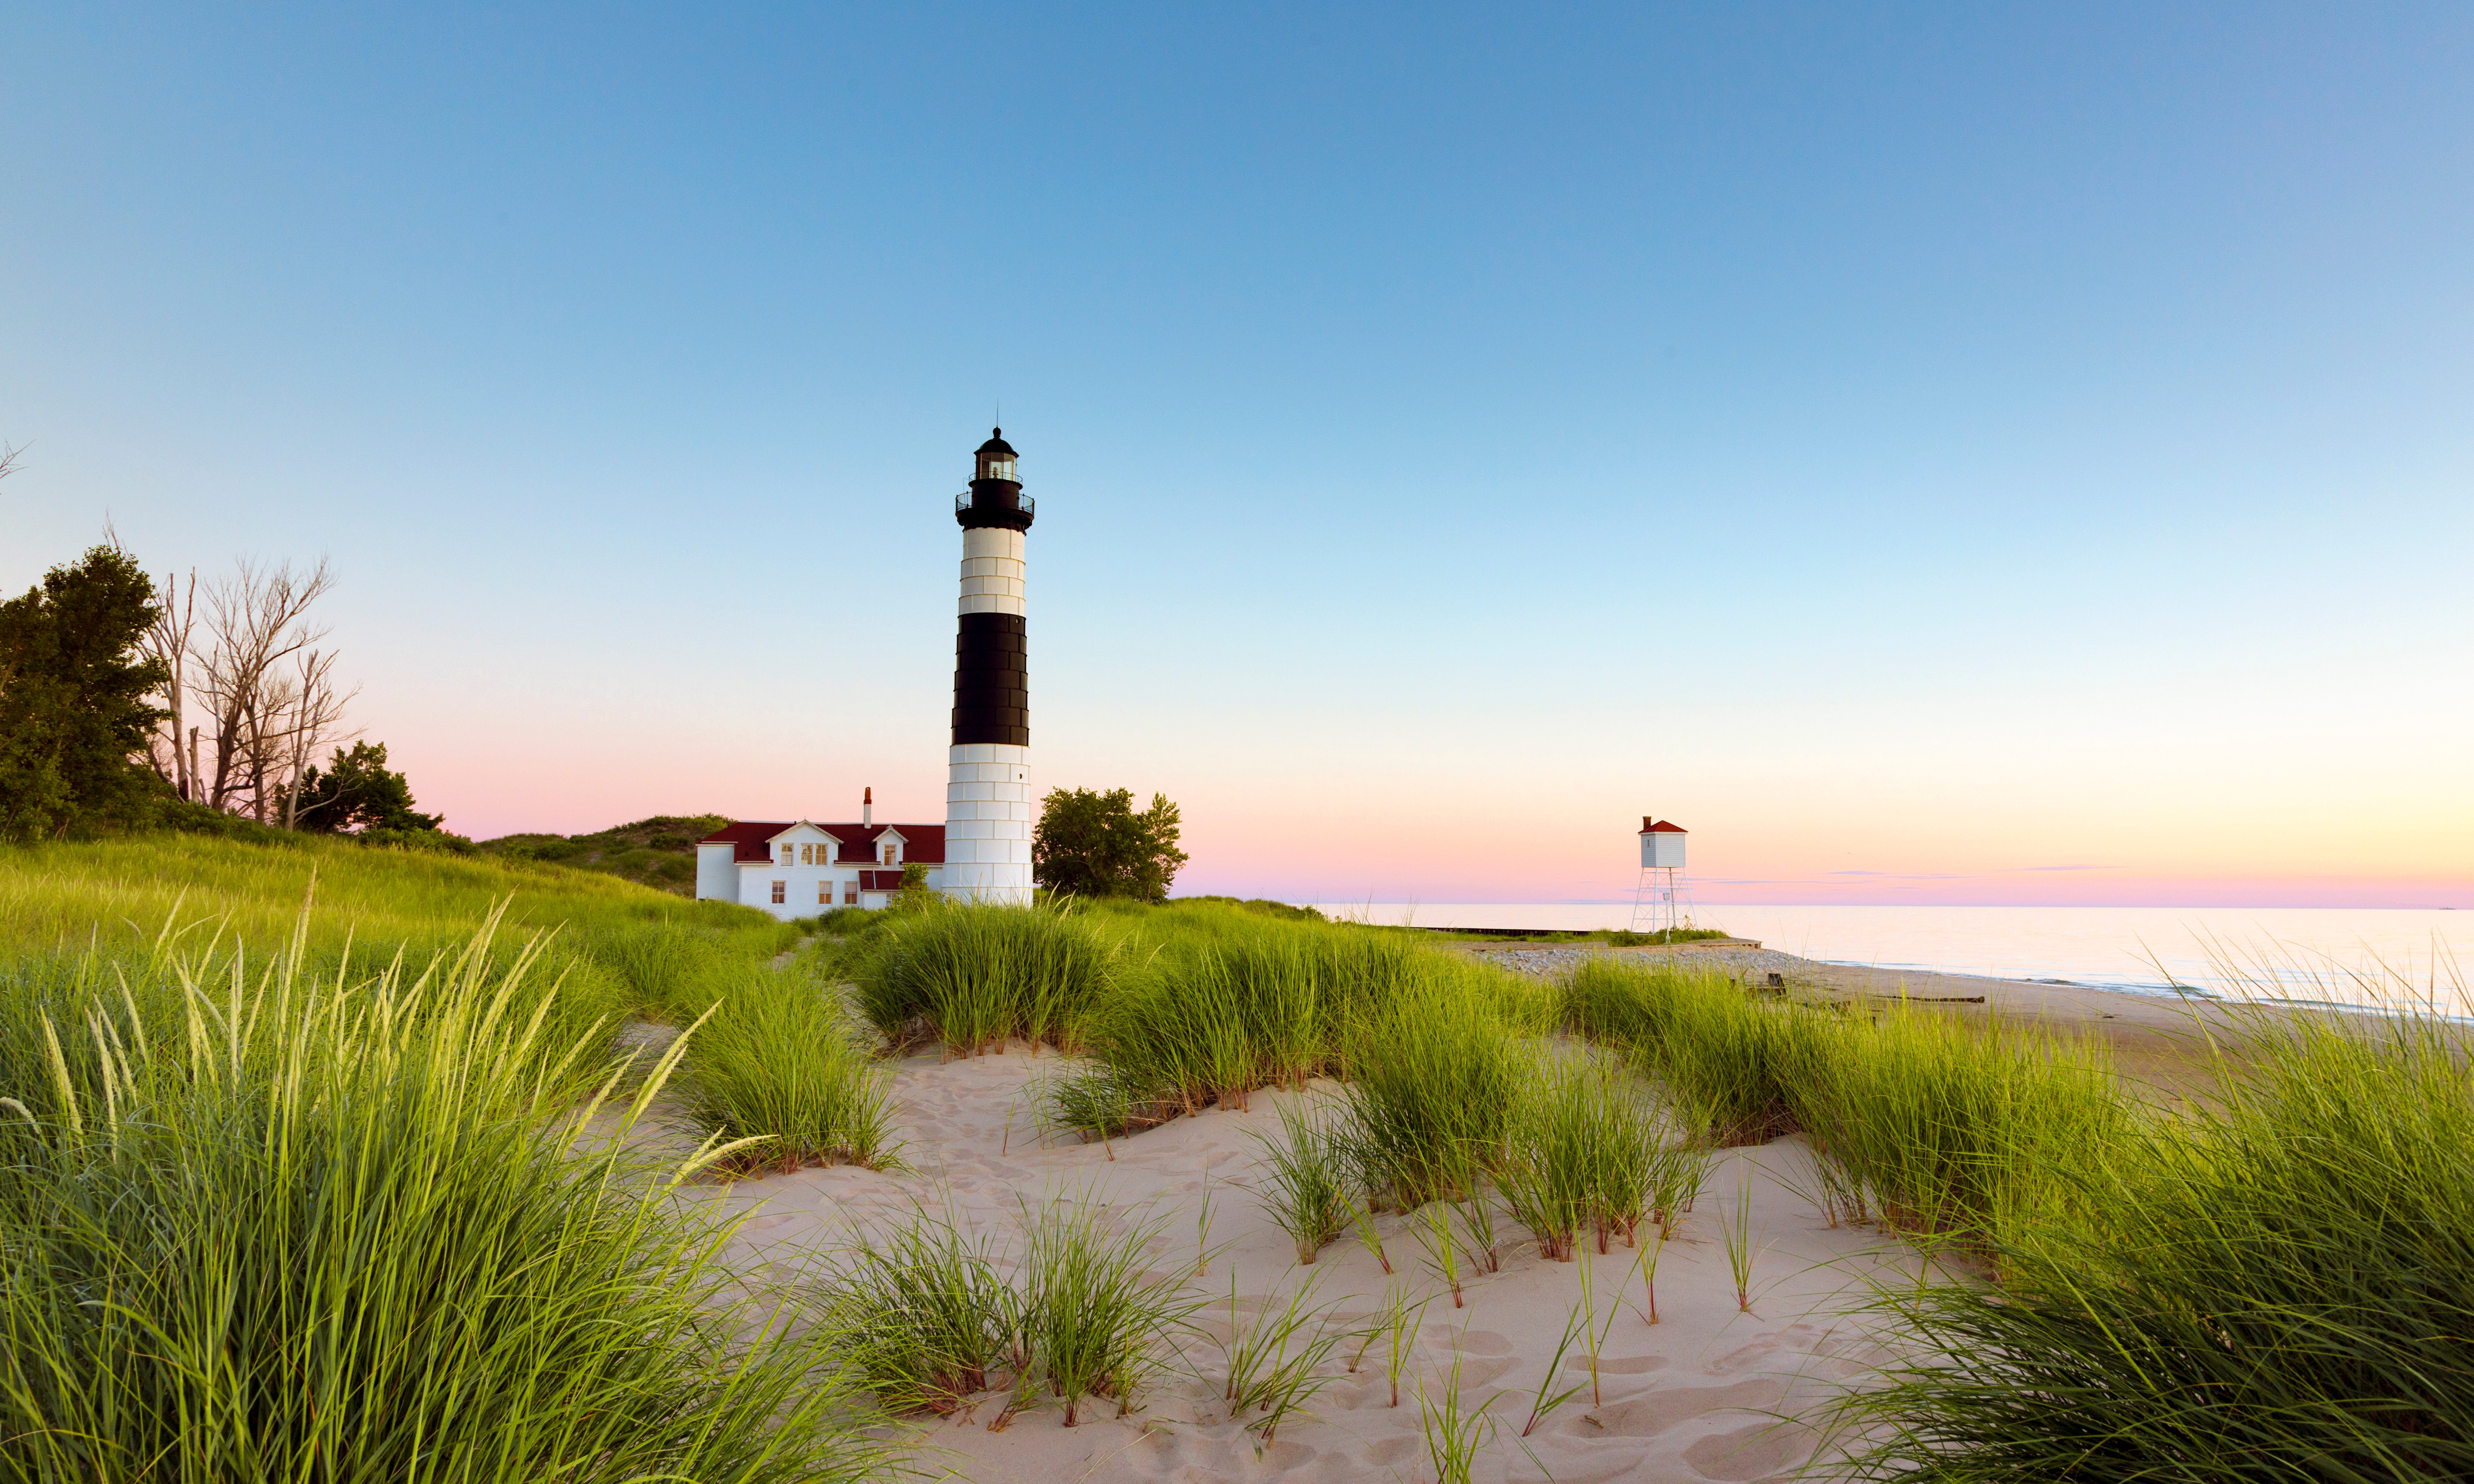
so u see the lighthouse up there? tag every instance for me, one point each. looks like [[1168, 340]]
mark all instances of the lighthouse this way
[[987, 781]]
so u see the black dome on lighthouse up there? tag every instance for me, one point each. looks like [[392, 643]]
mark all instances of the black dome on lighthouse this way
[[996, 444]]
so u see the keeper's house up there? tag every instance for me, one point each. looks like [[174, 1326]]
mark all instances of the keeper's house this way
[[801, 868]]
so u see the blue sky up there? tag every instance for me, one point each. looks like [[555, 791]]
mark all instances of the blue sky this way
[[1917, 449]]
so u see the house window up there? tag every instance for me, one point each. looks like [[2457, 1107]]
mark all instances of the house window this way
[[850, 894], [786, 855], [780, 887], [889, 855], [824, 894]]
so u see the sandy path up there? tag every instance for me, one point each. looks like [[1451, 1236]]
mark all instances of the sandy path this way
[[1691, 1399]]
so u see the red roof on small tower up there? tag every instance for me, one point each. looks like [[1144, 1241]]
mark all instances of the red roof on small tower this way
[[1661, 827]]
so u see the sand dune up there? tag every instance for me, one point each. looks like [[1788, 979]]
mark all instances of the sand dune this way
[[1699, 1396]]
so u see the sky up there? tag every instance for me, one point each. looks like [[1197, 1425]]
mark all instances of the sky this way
[[1935, 454]]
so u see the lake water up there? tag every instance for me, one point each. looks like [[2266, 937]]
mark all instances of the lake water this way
[[2323, 953]]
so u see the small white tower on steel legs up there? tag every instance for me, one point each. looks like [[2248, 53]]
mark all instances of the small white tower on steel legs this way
[[987, 781], [1663, 901]]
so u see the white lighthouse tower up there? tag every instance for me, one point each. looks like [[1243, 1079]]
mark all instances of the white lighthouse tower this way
[[987, 787]]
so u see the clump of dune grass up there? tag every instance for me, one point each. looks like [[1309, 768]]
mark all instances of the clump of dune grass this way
[[1396, 1325], [2282, 1288], [1275, 1361], [931, 1314], [1959, 1132], [1098, 1102], [974, 976], [1454, 1431], [1583, 1154], [776, 1069], [1305, 1185], [265, 1218], [1209, 1005], [1719, 1053], [1096, 1320], [924, 1314], [1435, 1077], [671, 971]]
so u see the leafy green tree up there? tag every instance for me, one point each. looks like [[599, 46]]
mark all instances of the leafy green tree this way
[[74, 701], [915, 894], [356, 793], [1090, 843]]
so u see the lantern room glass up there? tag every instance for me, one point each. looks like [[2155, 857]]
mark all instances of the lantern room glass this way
[[995, 467]]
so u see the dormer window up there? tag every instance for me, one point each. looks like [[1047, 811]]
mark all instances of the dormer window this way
[[889, 855], [786, 855]]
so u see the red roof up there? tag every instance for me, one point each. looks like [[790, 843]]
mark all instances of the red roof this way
[[1662, 827], [924, 844], [880, 880]]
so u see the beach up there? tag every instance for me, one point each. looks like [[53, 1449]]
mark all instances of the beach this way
[[1698, 1395], [1715, 1390]]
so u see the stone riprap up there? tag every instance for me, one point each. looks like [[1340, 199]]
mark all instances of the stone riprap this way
[[1749, 965]]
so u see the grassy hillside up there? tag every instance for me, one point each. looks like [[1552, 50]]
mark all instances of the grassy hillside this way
[[293, 1167], [621, 944], [658, 853]]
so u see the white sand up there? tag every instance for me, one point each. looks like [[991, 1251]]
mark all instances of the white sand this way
[[1698, 1395]]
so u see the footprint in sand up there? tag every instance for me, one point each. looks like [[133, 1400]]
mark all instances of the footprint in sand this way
[[1654, 1411], [1755, 1450], [1620, 1365]]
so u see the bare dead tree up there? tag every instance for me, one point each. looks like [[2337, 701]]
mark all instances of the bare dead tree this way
[[168, 641], [255, 630], [8, 453], [315, 719]]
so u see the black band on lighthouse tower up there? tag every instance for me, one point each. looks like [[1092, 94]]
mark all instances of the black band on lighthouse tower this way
[[991, 682]]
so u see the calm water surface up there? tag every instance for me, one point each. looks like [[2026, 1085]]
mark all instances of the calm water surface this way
[[2345, 954]]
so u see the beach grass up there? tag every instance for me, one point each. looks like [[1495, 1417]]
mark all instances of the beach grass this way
[[777, 1067], [1306, 1183], [347, 1184], [260, 1216], [1584, 1153], [1097, 1323], [2285, 1288], [1942, 1129], [972, 977], [924, 1312]]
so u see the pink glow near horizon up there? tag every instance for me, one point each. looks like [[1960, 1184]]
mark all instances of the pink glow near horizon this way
[[1369, 841]]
